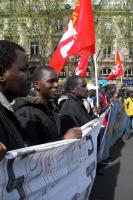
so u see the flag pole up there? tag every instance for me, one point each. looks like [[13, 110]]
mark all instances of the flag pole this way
[[96, 79], [121, 79]]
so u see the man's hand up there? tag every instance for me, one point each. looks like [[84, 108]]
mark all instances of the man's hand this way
[[96, 111], [73, 133], [3, 150], [99, 110]]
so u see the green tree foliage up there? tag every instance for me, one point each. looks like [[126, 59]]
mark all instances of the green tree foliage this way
[[113, 24], [35, 22]]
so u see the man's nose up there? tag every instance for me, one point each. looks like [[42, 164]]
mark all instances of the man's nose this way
[[56, 84], [86, 89]]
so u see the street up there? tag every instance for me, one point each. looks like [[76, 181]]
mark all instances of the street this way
[[117, 182]]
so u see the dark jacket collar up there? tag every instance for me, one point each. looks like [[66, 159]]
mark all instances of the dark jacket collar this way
[[5, 102], [80, 101]]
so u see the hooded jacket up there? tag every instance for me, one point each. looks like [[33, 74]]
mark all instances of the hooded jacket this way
[[39, 123]]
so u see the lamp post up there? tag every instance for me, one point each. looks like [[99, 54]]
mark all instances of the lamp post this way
[[68, 8]]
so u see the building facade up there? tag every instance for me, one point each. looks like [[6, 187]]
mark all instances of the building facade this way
[[114, 31], [38, 26]]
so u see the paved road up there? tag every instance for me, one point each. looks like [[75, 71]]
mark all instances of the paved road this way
[[117, 182]]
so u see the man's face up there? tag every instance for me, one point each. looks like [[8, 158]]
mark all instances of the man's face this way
[[16, 76], [91, 93], [48, 86], [80, 90]]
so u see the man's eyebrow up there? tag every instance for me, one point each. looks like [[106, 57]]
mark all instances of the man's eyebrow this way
[[53, 79]]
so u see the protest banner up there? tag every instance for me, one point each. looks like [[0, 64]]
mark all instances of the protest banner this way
[[118, 125], [63, 170]]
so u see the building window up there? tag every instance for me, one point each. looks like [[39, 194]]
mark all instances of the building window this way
[[12, 5], [23, 2], [34, 26], [88, 73], [12, 26], [35, 6], [34, 48], [62, 74], [108, 26], [70, 3], [55, 42], [107, 49], [131, 24], [58, 25], [105, 72], [131, 49], [128, 73]]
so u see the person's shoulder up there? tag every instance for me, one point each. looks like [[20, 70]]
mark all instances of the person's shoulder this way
[[128, 99], [3, 110], [70, 102]]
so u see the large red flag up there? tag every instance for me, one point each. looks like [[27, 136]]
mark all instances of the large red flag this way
[[117, 69], [79, 37], [82, 66]]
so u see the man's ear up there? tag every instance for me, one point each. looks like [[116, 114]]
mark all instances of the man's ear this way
[[73, 89], [36, 85], [2, 79], [2, 75]]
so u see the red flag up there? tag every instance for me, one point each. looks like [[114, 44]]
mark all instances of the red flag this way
[[79, 38], [117, 69], [82, 66]]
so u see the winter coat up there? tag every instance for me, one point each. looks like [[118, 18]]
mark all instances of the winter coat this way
[[40, 124], [10, 129], [73, 113]]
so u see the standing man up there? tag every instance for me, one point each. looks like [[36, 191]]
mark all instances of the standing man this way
[[73, 111], [38, 117], [13, 83]]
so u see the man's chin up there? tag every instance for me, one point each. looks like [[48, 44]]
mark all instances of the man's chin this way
[[53, 96]]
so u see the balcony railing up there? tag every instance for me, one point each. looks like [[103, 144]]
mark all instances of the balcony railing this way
[[111, 57], [128, 57], [107, 57]]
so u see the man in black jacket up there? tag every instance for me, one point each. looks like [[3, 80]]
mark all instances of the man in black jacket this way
[[73, 112], [13, 83], [38, 117]]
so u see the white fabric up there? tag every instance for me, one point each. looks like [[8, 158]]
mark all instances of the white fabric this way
[[90, 100], [87, 105], [63, 170], [91, 87]]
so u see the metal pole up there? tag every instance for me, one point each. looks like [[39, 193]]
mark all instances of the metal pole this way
[[96, 79]]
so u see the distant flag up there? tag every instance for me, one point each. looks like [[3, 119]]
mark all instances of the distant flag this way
[[82, 66], [79, 37], [117, 69]]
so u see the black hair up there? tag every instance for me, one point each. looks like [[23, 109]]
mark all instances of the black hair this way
[[38, 72], [8, 54], [71, 82]]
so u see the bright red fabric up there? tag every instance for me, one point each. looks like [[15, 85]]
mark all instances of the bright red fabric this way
[[82, 66], [117, 69], [79, 37]]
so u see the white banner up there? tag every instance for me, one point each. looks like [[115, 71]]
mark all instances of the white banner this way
[[63, 170]]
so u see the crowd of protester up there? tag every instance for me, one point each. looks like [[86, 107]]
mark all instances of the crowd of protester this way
[[47, 111]]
